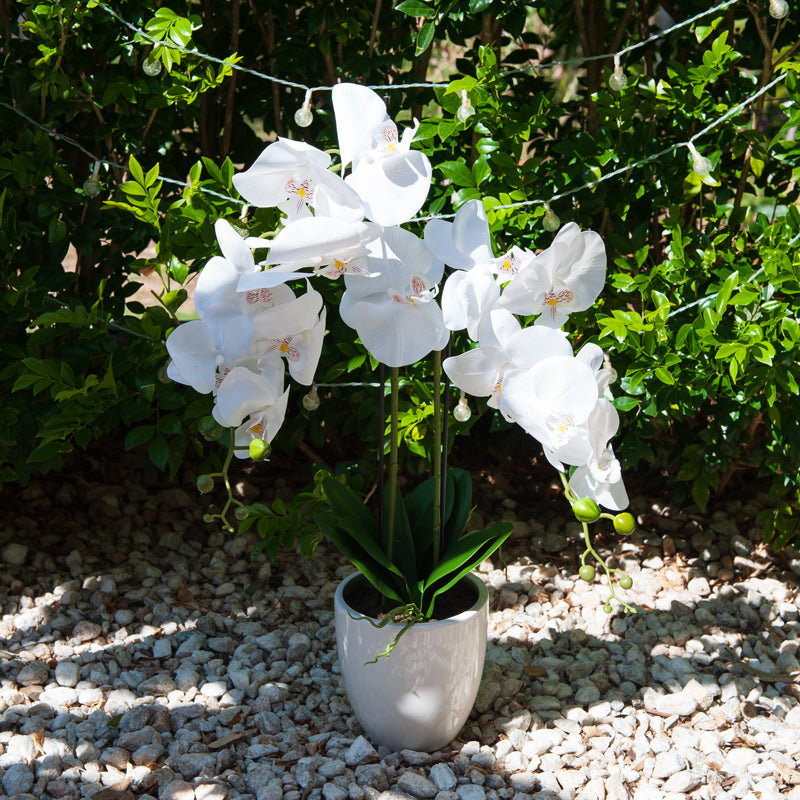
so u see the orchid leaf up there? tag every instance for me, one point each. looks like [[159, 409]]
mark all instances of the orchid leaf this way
[[462, 558]]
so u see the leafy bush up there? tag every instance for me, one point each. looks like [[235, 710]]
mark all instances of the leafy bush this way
[[700, 323]]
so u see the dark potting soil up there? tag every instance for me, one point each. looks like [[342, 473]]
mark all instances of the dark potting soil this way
[[363, 597]]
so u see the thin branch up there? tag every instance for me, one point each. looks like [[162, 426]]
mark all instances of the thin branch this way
[[373, 32], [229, 100]]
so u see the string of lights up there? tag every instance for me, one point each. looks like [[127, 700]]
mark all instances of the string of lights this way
[[700, 163], [304, 115]]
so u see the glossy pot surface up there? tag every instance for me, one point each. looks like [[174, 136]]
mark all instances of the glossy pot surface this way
[[420, 696]]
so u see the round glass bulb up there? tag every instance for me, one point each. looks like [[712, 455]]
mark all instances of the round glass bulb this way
[[92, 186], [550, 221], [700, 164], [462, 411], [151, 66], [303, 116], [465, 111], [778, 8], [618, 81], [311, 401]]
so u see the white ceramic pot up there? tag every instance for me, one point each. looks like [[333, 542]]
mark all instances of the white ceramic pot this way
[[420, 697]]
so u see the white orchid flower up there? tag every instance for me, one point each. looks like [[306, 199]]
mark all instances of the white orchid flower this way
[[243, 392], [511, 263], [217, 282], [201, 349], [566, 277], [393, 311], [552, 401], [601, 476], [392, 180], [293, 330], [464, 243], [593, 356], [481, 371], [470, 292], [261, 424], [329, 246], [294, 176], [467, 300]]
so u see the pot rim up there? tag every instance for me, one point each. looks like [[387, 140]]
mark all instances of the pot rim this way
[[480, 601]]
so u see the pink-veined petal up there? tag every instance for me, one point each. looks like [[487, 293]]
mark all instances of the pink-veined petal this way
[[396, 334], [264, 183], [358, 112], [290, 318], [476, 371], [241, 393], [313, 240]]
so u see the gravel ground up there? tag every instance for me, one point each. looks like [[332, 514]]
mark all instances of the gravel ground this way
[[144, 655]]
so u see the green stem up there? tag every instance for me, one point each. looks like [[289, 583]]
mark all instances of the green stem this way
[[437, 456], [226, 479], [393, 462]]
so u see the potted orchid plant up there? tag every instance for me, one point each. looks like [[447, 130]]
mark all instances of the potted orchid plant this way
[[253, 328]]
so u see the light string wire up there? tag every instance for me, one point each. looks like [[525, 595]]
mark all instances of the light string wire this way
[[629, 49], [589, 185], [420, 85], [505, 206]]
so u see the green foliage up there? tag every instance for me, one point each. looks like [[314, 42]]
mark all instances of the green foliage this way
[[700, 311], [411, 575]]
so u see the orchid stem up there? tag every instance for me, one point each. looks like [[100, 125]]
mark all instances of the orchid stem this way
[[393, 463], [437, 456]]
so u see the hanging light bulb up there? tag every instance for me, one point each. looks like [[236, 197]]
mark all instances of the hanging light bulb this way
[[700, 164], [303, 116], [151, 66], [462, 411], [311, 400], [612, 373], [550, 221], [617, 81], [778, 8], [465, 110], [92, 185]]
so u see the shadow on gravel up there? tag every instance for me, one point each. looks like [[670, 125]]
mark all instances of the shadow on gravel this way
[[142, 654]]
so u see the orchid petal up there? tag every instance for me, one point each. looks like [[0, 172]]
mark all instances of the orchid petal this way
[[263, 424], [398, 334], [193, 351], [475, 372], [241, 393], [467, 298], [290, 318], [358, 111], [393, 188]]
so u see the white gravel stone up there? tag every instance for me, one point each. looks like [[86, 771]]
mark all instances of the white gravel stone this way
[[416, 785], [360, 752], [67, 673], [443, 776]]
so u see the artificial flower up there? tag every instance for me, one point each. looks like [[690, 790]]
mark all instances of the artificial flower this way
[[601, 476], [294, 176], [391, 179], [481, 371], [552, 401], [393, 310], [243, 392], [261, 424], [566, 277], [330, 246]]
